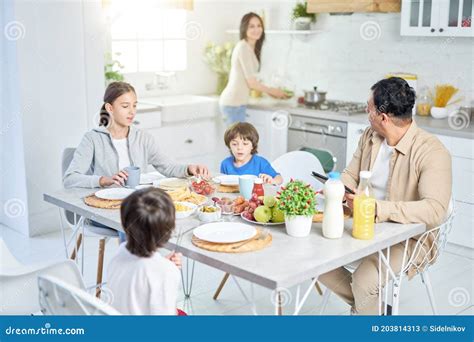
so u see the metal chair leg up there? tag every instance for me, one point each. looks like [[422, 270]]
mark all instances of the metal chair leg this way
[[429, 289], [221, 286], [324, 303], [100, 266]]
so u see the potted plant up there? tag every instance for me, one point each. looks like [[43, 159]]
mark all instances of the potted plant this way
[[218, 58], [301, 18], [112, 69], [297, 200]]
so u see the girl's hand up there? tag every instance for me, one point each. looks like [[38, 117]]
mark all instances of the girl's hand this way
[[175, 258], [118, 179], [200, 170], [266, 178]]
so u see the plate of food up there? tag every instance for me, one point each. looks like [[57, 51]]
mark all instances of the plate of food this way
[[262, 211], [225, 232], [186, 195], [114, 193], [171, 184], [184, 209], [228, 180]]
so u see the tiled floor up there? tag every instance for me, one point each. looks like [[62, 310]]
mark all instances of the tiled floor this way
[[452, 280]]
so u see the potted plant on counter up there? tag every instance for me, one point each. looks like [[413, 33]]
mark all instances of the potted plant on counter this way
[[301, 18], [218, 58], [297, 200]]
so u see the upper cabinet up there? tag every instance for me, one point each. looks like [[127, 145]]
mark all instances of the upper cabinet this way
[[444, 18]]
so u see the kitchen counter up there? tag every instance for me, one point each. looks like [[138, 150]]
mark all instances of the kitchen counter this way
[[436, 126]]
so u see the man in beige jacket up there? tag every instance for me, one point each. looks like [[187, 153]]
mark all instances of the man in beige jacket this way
[[411, 177]]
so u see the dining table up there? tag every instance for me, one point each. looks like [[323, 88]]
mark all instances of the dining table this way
[[286, 263]]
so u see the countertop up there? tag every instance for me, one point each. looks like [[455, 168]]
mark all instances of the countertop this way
[[436, 126]]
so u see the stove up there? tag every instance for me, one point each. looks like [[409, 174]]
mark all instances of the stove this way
[[341, 107]]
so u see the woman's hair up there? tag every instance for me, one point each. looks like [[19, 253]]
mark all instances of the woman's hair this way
[[244, 25], [148, 218], [245, 131], [394, 96], [113, 91]]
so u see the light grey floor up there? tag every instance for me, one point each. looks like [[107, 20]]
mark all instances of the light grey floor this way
[[452, 279]]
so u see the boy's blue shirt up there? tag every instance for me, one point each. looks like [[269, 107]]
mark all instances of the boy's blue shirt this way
[[255, 166]]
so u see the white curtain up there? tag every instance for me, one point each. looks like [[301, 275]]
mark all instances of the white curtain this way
[[13, 194]]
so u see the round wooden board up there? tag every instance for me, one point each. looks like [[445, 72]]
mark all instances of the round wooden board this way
[[318, 217], [96, 202], [254, 245], [231, 189]]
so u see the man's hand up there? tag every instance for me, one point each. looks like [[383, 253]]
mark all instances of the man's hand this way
[[200, 170]]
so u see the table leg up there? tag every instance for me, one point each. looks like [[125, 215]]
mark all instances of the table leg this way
[[221, 286], [187, 283]]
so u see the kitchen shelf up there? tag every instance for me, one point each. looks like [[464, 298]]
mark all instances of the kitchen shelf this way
[[299, 32]]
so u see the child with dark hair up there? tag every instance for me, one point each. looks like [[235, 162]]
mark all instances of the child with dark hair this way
[[142, 281], [241, 139]]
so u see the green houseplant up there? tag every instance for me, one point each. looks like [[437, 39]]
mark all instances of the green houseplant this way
[[218, 58], [301, 18], [297, 200], [112, 68]]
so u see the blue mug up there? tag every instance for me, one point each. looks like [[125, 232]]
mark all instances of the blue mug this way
[[133, 179], [246, 185]]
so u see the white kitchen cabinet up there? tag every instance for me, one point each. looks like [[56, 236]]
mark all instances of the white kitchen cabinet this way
[[354, 132], [147, 120], [442, 18], [272, 127]]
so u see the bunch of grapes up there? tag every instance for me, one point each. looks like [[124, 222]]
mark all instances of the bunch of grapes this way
[[253, 203]]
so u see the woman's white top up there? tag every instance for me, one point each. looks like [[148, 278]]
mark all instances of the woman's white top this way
[[244, 64]]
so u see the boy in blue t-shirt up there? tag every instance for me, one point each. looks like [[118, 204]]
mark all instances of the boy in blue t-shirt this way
[[242, 140]]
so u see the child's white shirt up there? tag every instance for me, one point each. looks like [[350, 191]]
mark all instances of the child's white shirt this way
[[143, 286]]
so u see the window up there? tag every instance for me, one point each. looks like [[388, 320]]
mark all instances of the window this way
[[148, 38]]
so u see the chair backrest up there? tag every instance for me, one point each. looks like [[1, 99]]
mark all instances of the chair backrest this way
[[327, 160], [299, 165], [19, 286], [425, 253], [57, 297], [68, 154]]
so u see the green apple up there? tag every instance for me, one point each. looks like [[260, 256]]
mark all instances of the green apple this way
[[278, 216], [262, 214], [269, 201]]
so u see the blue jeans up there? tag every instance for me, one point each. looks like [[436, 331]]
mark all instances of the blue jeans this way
[[122, 236], [234, 114]]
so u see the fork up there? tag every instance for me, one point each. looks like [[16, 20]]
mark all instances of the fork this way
[[262, 236]]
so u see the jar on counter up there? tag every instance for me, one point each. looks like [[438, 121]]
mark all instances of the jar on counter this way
[[423, 103], [258, 187]]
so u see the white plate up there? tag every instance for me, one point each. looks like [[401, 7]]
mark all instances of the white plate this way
[[143, 186], [183, 214], [170, 183], [114, 193], [227, 179], [261, 223], [149, 178], [225, 232]]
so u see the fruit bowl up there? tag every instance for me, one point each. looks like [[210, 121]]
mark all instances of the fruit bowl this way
[[202, 186]]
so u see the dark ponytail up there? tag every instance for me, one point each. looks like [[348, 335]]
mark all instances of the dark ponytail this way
[[113, 91]]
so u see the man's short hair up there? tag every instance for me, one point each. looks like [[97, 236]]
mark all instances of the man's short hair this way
[[394, 96]]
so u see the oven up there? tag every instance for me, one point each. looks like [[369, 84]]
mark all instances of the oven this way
[[326, 139]]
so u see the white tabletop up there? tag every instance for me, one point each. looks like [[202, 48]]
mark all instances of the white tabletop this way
[[286, 262]]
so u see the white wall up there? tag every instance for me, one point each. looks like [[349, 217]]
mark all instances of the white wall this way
[[61, 82], [338, 60]]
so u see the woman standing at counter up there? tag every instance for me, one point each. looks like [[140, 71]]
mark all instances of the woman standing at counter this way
[[245, 64]]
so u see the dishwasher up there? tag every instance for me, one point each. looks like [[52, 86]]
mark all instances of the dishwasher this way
[[326, 139]]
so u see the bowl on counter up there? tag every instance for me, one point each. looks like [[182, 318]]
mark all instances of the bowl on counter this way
[[439, 112], [209, 213]]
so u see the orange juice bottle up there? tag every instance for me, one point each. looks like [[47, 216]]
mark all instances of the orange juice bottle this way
[[364, 209]]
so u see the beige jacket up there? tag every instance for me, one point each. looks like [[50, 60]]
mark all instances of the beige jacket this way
[[419, 184]]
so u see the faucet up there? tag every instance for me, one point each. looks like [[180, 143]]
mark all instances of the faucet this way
[[161, 80]]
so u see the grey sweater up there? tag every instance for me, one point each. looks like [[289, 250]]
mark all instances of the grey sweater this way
[[96, 156]]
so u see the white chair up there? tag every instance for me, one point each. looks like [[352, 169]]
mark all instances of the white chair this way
[[57, 297], [82, 228], [296, 165], [420, 260], [299, 165], [18, 283]]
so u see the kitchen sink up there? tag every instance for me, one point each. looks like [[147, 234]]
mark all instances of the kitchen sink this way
[[183, 107]]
